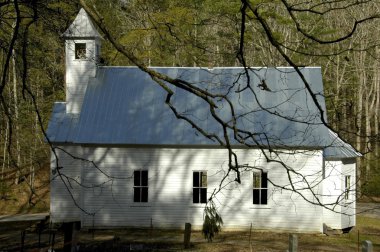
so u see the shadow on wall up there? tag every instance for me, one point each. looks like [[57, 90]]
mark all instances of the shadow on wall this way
[[106, 186]]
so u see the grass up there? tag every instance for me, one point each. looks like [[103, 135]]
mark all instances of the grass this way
[[172, 240], [369, 229], [18, 198]]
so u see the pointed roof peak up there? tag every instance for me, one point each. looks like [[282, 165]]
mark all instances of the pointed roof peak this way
[[81, 27]]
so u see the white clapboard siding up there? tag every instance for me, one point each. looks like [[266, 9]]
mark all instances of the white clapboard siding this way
[[349, 208], [108, 195], [64, 188], [343, 213], [78, 72]]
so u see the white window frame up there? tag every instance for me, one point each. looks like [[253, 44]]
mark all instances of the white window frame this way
[[139, 186], [82, 55], [260, 187], [347, 186], [200, 190]]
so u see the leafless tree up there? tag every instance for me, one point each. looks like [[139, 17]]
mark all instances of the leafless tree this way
[[305, 33]]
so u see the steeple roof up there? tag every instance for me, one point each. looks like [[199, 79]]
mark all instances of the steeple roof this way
[[82, 27]]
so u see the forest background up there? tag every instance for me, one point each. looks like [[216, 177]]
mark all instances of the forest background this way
[[343, 37]]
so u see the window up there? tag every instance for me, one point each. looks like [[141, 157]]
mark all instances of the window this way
[[347, 185], [199, 187], [80, 50], [140, 186], [97, 51], [260, 188]]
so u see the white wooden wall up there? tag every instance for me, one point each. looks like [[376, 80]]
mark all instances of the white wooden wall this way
[[349, 208], [78, 72], [343, 213], [109, 193], [65, 187]]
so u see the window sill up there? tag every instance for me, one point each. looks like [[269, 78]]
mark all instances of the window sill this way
[[82, 59], [140, 205], [260, 207], [198, 205]]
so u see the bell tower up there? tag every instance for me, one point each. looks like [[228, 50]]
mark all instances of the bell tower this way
[[82, 48]]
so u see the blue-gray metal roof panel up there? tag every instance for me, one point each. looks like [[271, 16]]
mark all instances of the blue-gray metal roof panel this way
[[337, 148], [123, 105], [62, 127]]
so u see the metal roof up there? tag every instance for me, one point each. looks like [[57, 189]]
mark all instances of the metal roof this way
[[123, 105], [338, 148], [62, 126], [81, 27]]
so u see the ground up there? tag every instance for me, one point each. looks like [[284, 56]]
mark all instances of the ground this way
[[368, 228], [18, 199], [369, 209], [172, 240]]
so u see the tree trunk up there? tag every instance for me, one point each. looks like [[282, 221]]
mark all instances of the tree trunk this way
[[376, 107], [16, 132], [359, 116], [4, 152]]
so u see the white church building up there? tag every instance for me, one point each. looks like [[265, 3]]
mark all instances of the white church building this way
[[121, 158]]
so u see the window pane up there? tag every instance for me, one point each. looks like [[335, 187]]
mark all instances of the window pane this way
[[256, 196], [97, 52], [203, 195], [80, 50], [144, 194], [195, 179], [347, 182], [264, 196], [204, 179], [195, 195], [264, 181], [136, 175], [256, 180], [144, 178], [136, 195]]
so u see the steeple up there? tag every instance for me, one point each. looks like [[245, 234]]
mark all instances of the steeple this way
[[82, 27], [82, 54]]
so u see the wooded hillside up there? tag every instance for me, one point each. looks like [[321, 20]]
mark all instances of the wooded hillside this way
[[340, 36]]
